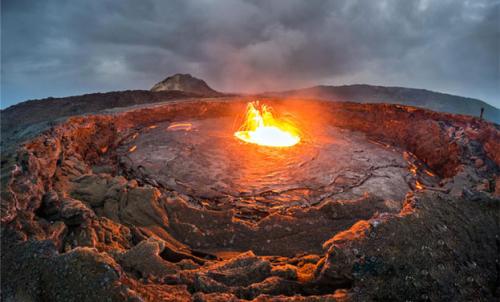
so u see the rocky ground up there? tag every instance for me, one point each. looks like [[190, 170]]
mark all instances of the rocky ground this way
[[82, 221]]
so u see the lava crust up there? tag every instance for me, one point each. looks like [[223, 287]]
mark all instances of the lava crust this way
[[164, 203]]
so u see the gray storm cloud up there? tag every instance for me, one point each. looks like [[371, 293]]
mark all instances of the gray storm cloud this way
[[58, 48]]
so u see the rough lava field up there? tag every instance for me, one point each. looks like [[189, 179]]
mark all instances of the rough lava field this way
[[160, 202]]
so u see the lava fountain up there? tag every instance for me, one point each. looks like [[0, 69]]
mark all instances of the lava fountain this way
[[262, 128]]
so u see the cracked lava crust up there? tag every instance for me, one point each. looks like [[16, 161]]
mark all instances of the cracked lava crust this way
[[163, 202]]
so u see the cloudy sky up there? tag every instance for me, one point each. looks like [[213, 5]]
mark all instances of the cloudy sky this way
[[61, 48]]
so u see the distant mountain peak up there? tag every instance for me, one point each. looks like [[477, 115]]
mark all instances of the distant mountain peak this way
[[186, 83]]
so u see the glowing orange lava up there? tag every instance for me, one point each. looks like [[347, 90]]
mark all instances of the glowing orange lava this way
[[180, 126], [262, 128]]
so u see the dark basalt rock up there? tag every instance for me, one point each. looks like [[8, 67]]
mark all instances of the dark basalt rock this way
[[74, 231]]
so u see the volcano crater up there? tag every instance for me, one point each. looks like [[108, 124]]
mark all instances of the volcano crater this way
[[237, 196], [169, 192]]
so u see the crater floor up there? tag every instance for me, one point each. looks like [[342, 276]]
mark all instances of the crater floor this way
[[203, 160]]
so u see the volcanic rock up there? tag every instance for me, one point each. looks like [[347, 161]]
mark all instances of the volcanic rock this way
[[145, 259], [497, 187], [75, 212], [377, 269], [398, 217], [82, 274], [186, 83]]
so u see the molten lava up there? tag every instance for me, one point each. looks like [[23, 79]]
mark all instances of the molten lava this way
[[262, 128]]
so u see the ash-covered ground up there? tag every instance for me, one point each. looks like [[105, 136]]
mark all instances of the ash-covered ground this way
[[162, 202]]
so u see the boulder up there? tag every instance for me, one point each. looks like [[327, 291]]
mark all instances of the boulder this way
[[145, 259], [74, 212]]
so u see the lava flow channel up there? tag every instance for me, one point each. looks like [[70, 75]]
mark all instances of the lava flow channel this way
[[262, 128]]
